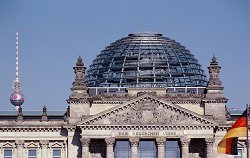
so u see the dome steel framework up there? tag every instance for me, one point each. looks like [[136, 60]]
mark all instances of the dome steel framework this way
[[145, 60]]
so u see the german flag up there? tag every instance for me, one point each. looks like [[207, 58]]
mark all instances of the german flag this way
[[228, 144]]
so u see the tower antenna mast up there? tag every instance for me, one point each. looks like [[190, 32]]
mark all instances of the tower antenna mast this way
[[17, 98]]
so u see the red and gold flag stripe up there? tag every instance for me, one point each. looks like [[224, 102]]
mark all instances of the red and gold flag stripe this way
[[228, 144]]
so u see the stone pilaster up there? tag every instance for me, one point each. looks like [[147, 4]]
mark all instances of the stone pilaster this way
[[209, 147], [73, 141], [185, 147], [65, 150], [19, 148], [134, 146], [44, 148], [85, 147], [161, 146], [110, 146]]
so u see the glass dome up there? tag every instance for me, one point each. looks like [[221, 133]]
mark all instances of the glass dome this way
[[145, 60]]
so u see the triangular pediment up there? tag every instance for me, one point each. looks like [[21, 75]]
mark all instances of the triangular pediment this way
[[56, 145], [147, 110], [32, 145], [8, 145]]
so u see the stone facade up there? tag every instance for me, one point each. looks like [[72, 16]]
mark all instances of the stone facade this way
[[91, 125]]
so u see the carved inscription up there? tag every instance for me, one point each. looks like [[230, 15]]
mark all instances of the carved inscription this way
[[145, 133]]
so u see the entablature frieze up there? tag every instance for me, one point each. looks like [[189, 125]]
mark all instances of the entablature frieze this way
[[224, 128], [70, 128], [186, 102], [96, 102], [108, 102], [223, 100], [30, 129], [124, 134], [147, 127], [26, 144]]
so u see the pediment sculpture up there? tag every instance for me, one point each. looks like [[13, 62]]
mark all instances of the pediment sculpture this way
[[146, 112]]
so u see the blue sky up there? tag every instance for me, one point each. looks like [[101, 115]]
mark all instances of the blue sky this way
[[53, 33]]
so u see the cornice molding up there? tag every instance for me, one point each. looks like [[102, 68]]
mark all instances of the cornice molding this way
[[222, 100], [147, 127]]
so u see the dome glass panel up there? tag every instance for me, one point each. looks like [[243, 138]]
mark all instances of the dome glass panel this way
[[145, 60]]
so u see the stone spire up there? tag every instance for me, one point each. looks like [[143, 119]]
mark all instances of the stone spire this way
[[214, 87], [214, 70], [79, 88]]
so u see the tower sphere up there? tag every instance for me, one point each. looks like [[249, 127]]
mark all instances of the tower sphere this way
[[17, 98], [145, 60]]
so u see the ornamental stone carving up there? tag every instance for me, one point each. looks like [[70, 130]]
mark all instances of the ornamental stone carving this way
[[147, 112], [209, 141], [214, 70], [19, 143], [134, 142], [160, 141], [44, 143], [110, 141], [85, 141], [185, 142]]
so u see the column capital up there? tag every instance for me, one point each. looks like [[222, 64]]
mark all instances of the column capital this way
[[19, 143], [110, 141], [160, 141], [209, 141], [44, 143], [185, 141], [134, 142], [85, 142]]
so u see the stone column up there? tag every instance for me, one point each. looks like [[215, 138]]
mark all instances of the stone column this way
[[44, 146], [134, 144], [185, 147], [161, 146], [110, 146], [209, 147], [85, 147], [19, 145]]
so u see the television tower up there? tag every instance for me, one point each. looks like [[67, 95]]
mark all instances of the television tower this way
[[17, 98]]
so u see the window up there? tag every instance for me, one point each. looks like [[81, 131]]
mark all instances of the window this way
[[7, 153], [147, 149], [239, 154], [32, 153], [56, 153], [172, 149], [122, 149]]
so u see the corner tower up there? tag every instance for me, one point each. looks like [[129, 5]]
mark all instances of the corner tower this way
[[78, 100], [214, 99]]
